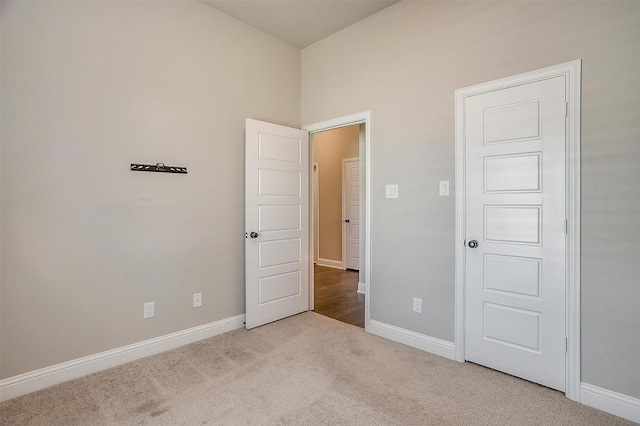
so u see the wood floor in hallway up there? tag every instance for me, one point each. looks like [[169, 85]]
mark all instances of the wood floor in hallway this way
[[336, 295]]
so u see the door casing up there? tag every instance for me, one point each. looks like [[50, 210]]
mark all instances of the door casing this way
[[365, 158], [315, 211], [572, 73]]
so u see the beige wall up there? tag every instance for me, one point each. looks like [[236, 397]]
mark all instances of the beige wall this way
[[404, 64], [329, 149], [87, 89]]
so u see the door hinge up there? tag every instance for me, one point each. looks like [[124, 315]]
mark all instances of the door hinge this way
[[566, 344], [566, 109], [566, 227]]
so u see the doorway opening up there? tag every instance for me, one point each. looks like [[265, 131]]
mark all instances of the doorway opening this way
[[336, 223], [338, 284]]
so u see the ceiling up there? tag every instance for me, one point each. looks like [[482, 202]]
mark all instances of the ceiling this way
[[300, 22]]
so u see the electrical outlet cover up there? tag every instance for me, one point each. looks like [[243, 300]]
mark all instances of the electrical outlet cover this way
[[417, 305]]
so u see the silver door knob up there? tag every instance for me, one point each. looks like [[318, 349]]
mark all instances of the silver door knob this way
[[473, 244], [253, 235]]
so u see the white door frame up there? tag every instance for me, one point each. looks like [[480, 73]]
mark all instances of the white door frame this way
[[572, 73], [345, 226], [315, 218], [365, 158]]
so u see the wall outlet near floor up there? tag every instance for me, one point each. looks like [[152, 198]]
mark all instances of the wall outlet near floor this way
[[197, 300], [149, 310], [417, 305]]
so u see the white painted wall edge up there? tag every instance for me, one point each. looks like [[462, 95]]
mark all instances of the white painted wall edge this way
[[611, 402], [411, 338], [39, 379], [362, 288], [330, 263]]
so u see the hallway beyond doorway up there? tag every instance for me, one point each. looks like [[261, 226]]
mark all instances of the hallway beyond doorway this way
[[336, 295]]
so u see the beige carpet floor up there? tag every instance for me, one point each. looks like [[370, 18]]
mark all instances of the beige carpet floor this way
[[303, 370]]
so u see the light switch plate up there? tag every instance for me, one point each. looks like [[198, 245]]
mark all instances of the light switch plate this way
[[392, 191], [444, 188], [149, 310]]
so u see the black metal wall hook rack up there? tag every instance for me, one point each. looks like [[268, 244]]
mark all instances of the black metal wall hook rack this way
[[158, 167]]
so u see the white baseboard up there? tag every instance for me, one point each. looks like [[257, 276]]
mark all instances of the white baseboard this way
[[362, 288], [411, 338], [612, 402], [59, 373], [330, 263]]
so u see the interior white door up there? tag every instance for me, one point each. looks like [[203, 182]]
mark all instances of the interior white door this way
[[515, 230], [352, 213], [276, 220]]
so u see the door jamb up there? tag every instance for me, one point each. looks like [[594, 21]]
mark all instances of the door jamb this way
[[345, 226], [365, 158], [572, 73], [315, 217]]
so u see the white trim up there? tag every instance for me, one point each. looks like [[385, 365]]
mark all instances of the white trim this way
[[330, 263], [612, 402], [39, 379], [572, 72], [343, 233], [347, 120], [413, 339], [573, 75], [362, 288], [312, 240], [345, 230], [315, 204], [365, 158]]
